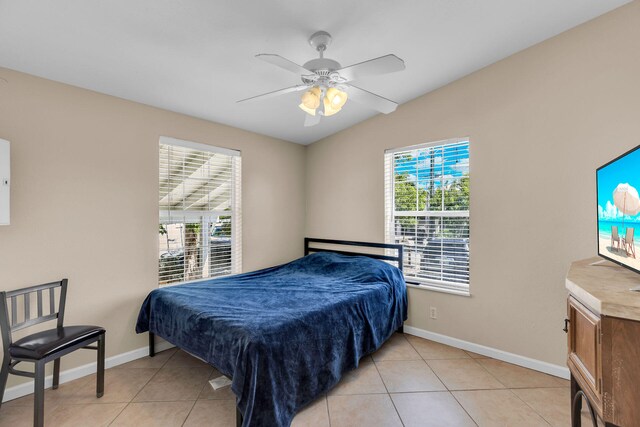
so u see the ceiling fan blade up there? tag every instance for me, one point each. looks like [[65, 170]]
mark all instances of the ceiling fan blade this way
[[283, 63], [371, 100], [310, 120], [297, 88], [382, 65]]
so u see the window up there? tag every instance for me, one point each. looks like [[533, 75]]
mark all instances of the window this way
[[200, 218], [427, 211]]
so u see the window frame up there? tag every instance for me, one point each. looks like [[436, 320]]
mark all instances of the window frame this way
[[207, 216], [390, 214]]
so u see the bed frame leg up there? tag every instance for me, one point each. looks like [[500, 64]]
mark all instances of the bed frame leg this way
[[238, 417], [400, 330], [152, 345]]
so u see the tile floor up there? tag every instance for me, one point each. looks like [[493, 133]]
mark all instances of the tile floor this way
[[408, 382]]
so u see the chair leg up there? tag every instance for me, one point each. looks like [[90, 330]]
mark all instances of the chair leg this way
[[100, 373], [56, 373], [38, 407], [4, 374]]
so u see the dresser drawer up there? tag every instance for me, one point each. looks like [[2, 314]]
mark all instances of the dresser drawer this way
[[585, 350]]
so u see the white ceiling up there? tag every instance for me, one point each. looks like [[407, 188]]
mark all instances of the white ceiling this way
[[197, 56]]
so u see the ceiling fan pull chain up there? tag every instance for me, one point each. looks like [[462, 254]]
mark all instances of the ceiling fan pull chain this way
[[324, 93]]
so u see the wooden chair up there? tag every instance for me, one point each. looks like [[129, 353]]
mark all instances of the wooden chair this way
[[615, 237], [39, 348], [628, 243]]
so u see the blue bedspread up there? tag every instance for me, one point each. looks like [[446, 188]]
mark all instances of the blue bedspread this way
[[284, 334]]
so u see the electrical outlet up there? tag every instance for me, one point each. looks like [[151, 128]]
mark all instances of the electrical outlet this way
[[433, 312]]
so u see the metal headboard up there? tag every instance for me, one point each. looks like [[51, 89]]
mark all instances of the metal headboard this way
[[309, 241]]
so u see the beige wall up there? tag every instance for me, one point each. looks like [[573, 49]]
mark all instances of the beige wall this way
[[540, 123], [84, 199]]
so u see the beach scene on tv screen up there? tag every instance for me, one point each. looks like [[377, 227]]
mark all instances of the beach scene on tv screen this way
[[619, 210]]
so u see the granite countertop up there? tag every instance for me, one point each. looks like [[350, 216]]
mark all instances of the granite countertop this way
[[604, 287]]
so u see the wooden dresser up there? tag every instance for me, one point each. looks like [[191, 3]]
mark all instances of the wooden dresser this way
[[603, 325]]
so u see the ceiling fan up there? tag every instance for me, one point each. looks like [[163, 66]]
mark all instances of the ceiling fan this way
[[327, 84]]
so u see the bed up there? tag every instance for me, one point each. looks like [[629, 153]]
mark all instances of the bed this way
[[285, 334]]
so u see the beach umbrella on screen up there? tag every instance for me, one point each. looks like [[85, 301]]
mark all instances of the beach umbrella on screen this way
[[626, 199]]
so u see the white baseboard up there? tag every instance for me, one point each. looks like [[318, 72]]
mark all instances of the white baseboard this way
[[526, 362], [84, 370], [119, 359]]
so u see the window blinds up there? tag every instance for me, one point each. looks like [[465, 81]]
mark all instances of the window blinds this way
[[200, 216], [427, 211]]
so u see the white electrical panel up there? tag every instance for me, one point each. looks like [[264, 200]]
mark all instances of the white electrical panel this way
[[5, 181]]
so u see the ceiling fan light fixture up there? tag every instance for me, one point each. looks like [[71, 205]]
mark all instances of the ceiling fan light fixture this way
[[336, 97], [310, 111], [311, 100], [329, 109]]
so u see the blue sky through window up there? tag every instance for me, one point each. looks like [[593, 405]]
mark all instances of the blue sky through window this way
[[450, 162]]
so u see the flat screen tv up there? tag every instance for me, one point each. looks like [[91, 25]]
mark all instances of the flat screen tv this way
[[618, 186]]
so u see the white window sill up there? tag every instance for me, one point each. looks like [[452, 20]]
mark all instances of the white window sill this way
[[427, 287], [204, 279]]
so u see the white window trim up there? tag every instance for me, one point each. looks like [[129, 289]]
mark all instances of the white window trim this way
[[236, 202], [426, 145], [444, 290], [390, 213], [167, 140]]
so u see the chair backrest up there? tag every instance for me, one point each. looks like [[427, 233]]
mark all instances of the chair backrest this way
[[614, 232], [629, 237], [16, 309]]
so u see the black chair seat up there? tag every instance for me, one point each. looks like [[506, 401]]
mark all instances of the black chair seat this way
[[46, 346], [40, 345]]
